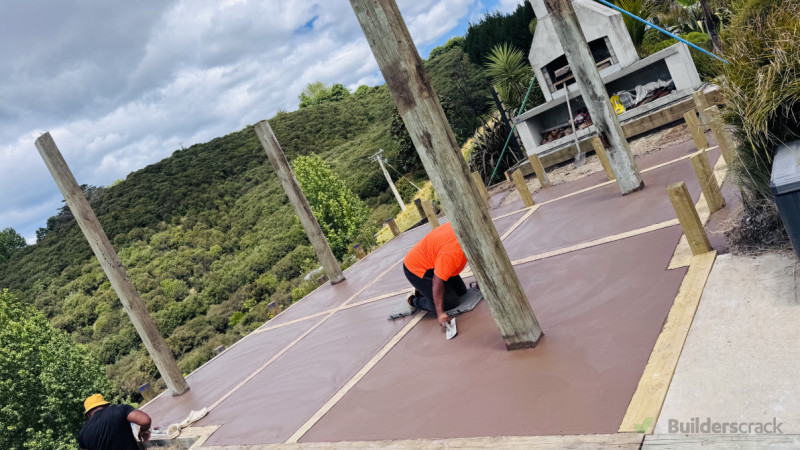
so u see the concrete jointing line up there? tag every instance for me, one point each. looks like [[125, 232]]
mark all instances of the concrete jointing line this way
[[292, 344]]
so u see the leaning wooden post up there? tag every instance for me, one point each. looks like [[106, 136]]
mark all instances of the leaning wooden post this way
[[393, 226], [359, 250], [696, 129], [708, 183], [601, 155], [701, 103], [476, 177], [721, 134], [522, 188], [433, 138], [538, 169], [580, 60], [109, 261], [299, 202], [687, 215], [430, 214], [420, 209]]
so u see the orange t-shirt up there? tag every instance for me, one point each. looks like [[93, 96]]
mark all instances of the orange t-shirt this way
[[440, 251]]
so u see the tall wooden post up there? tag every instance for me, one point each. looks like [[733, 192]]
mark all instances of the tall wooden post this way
[[580, 60], [697, 130], [538, 169], [299, 202], [433, 138], [109, 261], [420, 209], [522, 188], [397, 197]]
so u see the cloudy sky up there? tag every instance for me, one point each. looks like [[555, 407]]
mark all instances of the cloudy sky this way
[[121, 85]]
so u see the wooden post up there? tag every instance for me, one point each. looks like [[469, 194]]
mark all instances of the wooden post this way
[[721, 134], [708, 183], [538, 169], [701, 103], [687, 216], [420, 209], [397, 197], [430, 214], [522, 187], [359, 250], [109, 261], [696, 129], [476, 177], [580, 60], [147, 391], [393, 226], [299, 202], [433, 138], [601, 155]]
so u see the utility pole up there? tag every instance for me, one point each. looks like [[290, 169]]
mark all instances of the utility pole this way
[[109, 261], [416, 101], [379, 157], [587, 77], [299, 202]]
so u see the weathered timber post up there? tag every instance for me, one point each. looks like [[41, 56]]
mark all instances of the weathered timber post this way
[[701, 103], [721, 134], [601, 155], [698, 134], [430, 213], [389, 180], [522, 188], [109, 261], [580, 60], [393, 227], [538, 169], [427, 125], [476, 177], [359, 250], [689, 219], [299, 202], [708, 183], [420, 209]]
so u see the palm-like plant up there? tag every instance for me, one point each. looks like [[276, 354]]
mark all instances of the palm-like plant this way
[[641, 8], [510, 74]]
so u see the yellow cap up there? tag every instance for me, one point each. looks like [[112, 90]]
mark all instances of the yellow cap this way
[[93, 402]]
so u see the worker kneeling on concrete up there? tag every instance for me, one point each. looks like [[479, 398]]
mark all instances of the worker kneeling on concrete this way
[[433, 267], [109, 426]]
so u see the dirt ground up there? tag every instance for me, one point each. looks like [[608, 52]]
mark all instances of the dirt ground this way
[[566, 171]]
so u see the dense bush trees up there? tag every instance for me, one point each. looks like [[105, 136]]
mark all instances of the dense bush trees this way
[[44, 378]]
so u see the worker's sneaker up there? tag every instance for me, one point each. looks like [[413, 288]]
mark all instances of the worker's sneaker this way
[[411, 296]]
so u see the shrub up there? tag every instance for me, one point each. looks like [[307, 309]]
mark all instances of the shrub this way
[[707, 66], [762, 87]]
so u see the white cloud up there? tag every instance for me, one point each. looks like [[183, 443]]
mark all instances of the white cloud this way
[[123, 85]]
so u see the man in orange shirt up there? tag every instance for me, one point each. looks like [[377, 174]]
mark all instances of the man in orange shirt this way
[[433, 267]]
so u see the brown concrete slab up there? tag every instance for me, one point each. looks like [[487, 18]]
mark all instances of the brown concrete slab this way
[[221, 374], [284, 396], [600, 320], [600, 212]]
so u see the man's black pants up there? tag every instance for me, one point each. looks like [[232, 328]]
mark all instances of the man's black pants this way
[[454, 288]]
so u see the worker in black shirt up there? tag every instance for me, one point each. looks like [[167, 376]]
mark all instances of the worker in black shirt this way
[[109, 426]]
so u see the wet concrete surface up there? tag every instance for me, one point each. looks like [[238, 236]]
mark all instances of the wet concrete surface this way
[[221, 374], [600, 212], [600, 321], [286, 394]]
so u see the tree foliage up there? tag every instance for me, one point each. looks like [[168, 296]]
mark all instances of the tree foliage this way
[[640, 8], [497, 28], [317, 93], [340, 213], [511, 75], [10, 243], [44, 378]]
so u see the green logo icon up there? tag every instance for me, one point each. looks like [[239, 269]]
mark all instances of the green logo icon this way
[[642, 427]]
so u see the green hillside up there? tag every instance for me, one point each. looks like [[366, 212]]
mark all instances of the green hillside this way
[[207, 235]]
